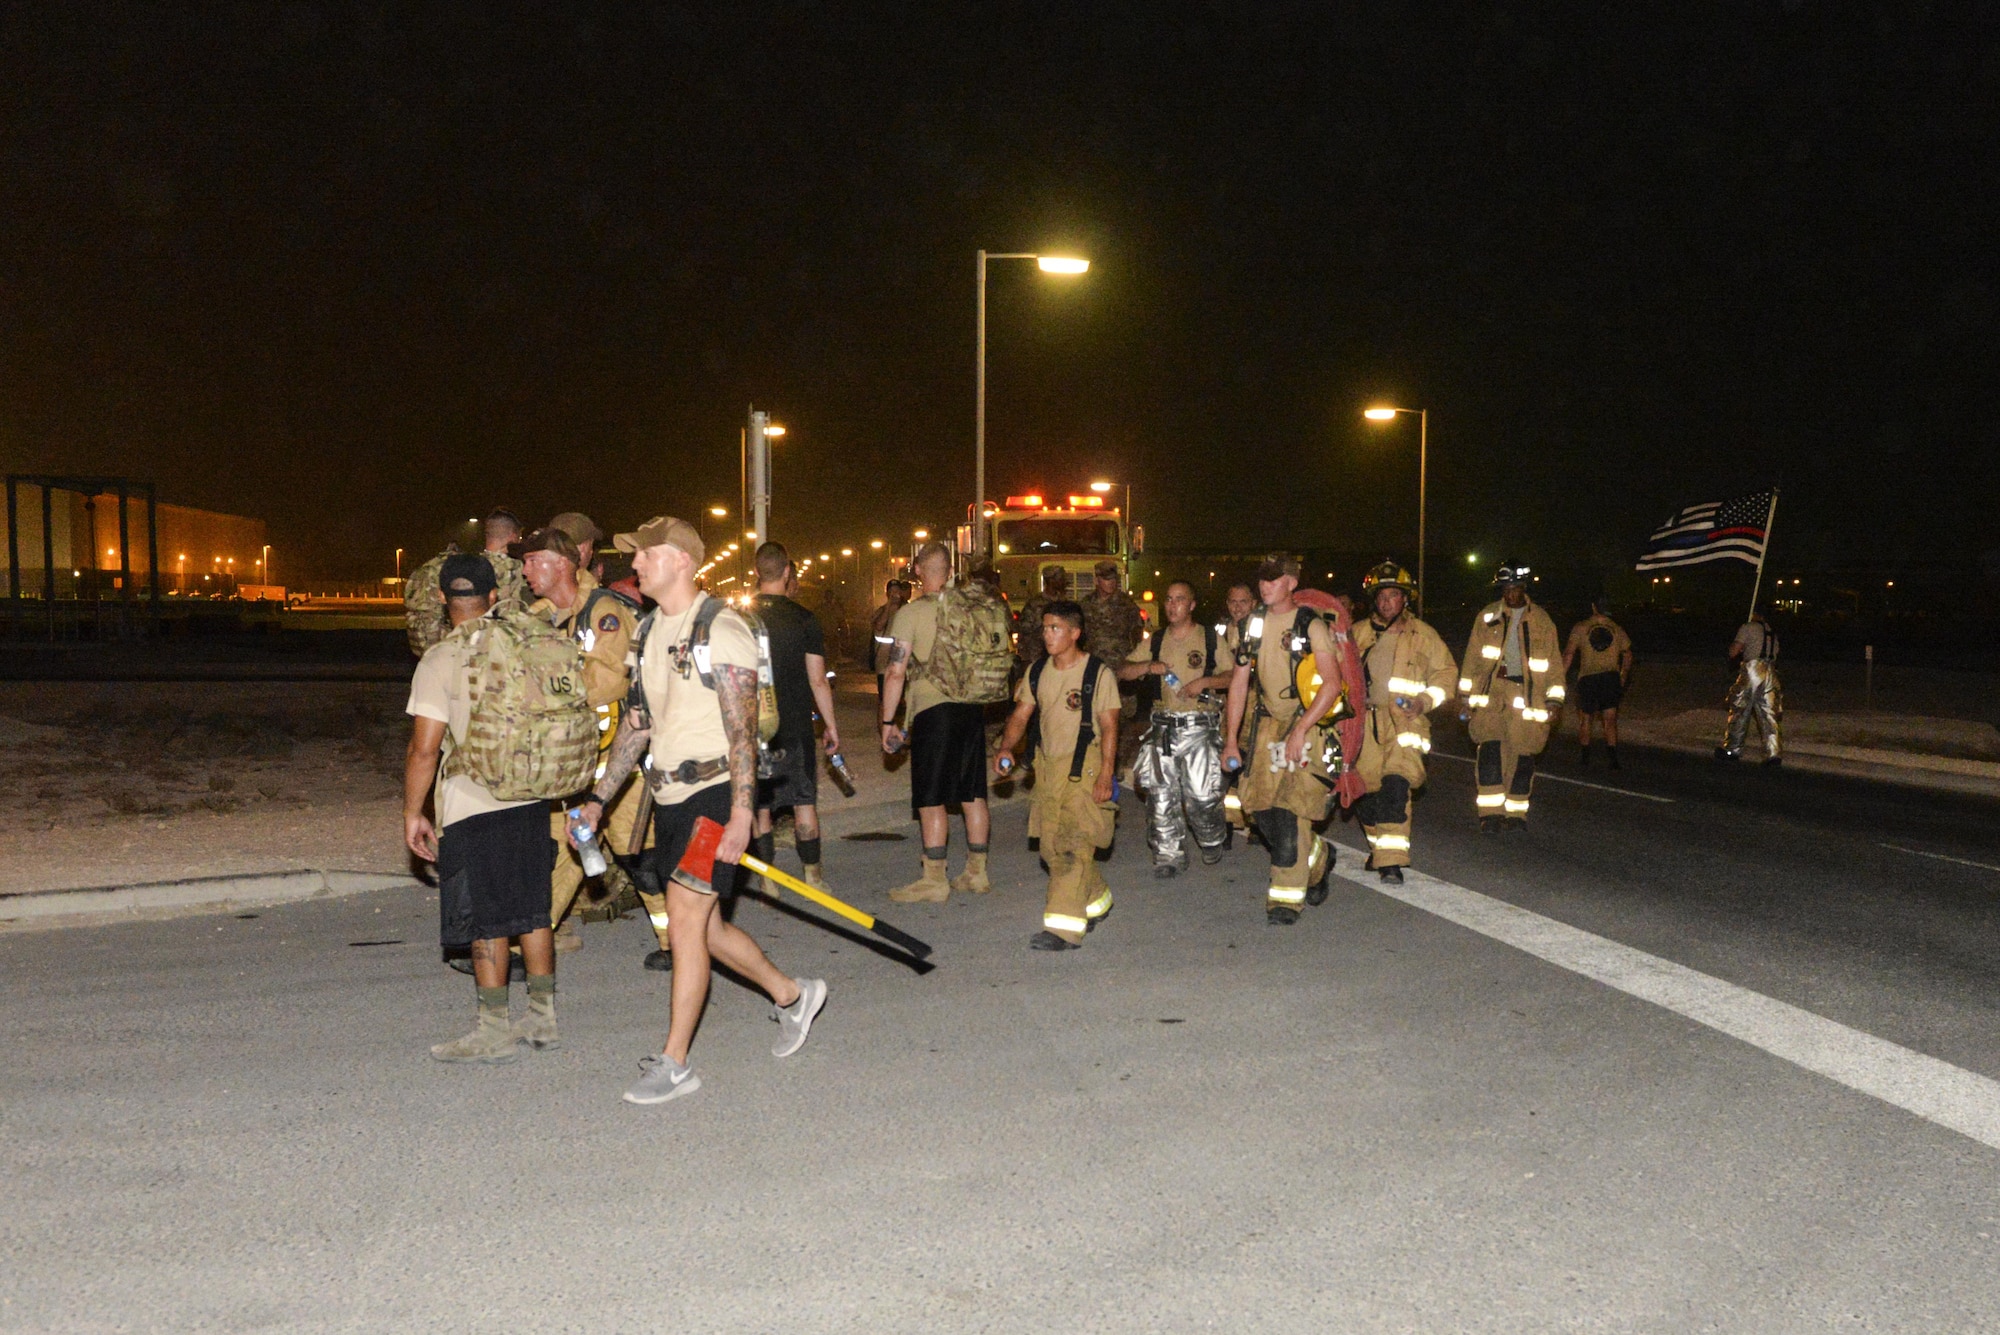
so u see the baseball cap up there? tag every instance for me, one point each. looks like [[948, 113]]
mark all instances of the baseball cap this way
[[1107, 568], [552, 539], [466, 575], [662, 529], [579, 527], [1277, 565]]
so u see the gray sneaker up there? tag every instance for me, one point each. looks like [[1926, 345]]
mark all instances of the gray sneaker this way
[[664, 1079], [796, 1020]]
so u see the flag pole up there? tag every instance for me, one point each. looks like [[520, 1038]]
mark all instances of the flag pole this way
[[1770, 520]]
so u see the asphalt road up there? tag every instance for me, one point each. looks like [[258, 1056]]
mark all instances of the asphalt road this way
[[1380, 1119]]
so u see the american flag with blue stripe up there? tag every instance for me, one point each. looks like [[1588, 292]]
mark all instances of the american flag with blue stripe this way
[[1714, 531]]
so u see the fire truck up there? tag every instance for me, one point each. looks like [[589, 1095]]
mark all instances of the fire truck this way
[[1027, 533]]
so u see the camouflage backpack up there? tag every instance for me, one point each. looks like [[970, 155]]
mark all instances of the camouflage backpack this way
[[423, 611], [532, 732], [974, 652]]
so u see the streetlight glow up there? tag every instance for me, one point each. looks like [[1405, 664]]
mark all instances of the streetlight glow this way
[[1388, 412], [1100, 487], [1061, 264], [922, 533], [1380, 414], [847, 551], [876, 544], [772, 431], [719, 511]]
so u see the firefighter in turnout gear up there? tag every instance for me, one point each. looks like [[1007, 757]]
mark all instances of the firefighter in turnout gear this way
[[1070, 699], [1512, 681], [1285, 789], [1409, 672], [601, 621], [1179, 765], [1756, 693]]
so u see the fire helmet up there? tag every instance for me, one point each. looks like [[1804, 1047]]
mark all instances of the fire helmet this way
[[1388, 575], [1510, 573]]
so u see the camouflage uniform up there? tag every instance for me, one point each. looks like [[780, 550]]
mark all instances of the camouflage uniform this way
[[1112, 626], [1028, 629], [423, 611]]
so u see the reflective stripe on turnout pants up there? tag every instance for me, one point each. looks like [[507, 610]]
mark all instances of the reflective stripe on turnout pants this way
[[1297, 796], [1072, 828], [1179, 769], [1502, 736], [1390, 748]]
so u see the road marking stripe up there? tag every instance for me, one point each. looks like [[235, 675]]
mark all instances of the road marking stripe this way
[[1963, 862], [1581, 783], [1937, 1091]]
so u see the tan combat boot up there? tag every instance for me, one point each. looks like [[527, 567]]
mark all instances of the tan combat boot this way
[[930, 888], [973, 879], [569, 936], [537, 1026], [810, 873], [491, 1041]]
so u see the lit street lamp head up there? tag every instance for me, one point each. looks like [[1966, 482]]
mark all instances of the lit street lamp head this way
[[1061, 264], [1380, 414]]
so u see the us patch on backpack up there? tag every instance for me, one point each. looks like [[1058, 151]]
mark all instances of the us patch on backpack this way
[[532, 732]]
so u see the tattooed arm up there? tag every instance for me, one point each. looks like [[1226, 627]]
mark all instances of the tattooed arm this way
[[896, 673], [736, 691], [635, 732]]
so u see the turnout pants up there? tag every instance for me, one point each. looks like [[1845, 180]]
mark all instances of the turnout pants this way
[[1284, 804], [1180, 771], [1506, 745], [1757, 694], [614, 835], [1072, 828], [1391, 768]]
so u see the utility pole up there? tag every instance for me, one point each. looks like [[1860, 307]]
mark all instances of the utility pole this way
[[760, 477]]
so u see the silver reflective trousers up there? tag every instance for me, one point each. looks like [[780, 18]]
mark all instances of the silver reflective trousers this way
[[1179, 769], [1756, 694]]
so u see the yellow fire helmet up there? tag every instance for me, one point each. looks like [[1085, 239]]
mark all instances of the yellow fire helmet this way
[[1307, 682]]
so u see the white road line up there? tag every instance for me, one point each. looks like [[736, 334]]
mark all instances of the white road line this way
[[1937, 1091], [1963, 862], [1541, 774]]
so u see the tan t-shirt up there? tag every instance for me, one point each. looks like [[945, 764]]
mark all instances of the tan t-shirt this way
[[1590, 659], [1184, 650], [1273, 677], [916, 625], [687, 716], [441, 689], [1061, 703]]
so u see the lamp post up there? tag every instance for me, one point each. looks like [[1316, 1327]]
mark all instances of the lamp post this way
[[1055, 264], [264, 564], [399, 571], [1388, 413]]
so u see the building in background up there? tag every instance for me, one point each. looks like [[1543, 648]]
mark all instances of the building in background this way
[[91, 551]]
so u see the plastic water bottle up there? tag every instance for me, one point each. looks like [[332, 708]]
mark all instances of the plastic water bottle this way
[[841, 774], [588, 851], [1173, 679], [1005, 764], [1233, 764]]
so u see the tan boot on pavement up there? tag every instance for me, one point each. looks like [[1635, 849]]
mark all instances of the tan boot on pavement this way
[[811, 874], [930, 888], [491, 1041], [973, 879], [537, 1026], [569, 936]]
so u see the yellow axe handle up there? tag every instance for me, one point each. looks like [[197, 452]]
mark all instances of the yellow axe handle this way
[[847, 911]]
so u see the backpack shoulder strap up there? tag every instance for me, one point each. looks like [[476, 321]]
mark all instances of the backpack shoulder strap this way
[[1086, 727], [1157, 637], [1209, 643]]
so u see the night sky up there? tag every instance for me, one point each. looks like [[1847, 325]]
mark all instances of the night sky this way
[[364, 270]]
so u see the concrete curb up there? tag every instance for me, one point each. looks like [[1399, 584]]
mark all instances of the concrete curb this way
[[96, 905], [1868, 755], [1938, 773]]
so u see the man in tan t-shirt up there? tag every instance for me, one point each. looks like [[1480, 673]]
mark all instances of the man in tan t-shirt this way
[[694, 717], [1073, 806], [947, 741], [492, 856], [1179, 765], [1601, 652]]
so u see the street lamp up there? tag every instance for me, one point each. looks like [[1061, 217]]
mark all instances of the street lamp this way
[[1050, 264], [399, 570], [1104, 489], [1388, 413], [264, 564]]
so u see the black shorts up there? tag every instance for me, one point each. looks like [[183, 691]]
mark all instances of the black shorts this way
[[493, 875], [795, 780], [672, 828], [948, 756], [1598, 692]]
